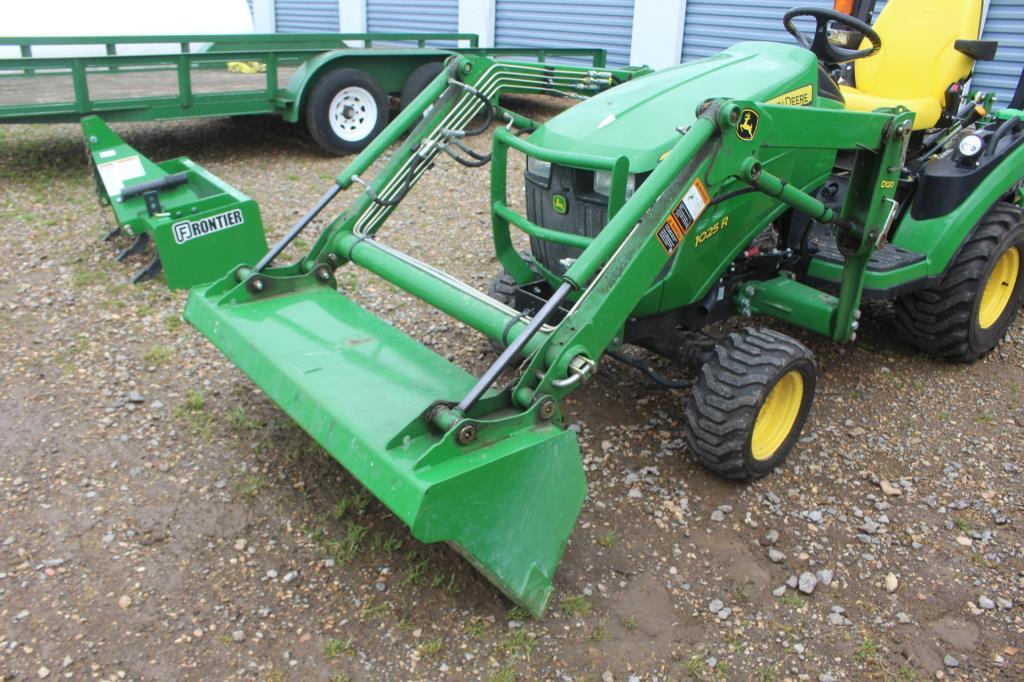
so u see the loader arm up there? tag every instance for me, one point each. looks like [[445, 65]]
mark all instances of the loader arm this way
[[490, 469]]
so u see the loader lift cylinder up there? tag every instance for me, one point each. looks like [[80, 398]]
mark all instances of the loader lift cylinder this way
[[297, 229]]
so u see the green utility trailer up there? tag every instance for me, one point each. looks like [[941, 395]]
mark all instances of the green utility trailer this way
[[750, 183], [343, 86]]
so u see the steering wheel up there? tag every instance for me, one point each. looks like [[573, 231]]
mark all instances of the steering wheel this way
[[822, 48]]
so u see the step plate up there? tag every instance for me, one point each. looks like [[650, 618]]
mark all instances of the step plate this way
[[885, 259]]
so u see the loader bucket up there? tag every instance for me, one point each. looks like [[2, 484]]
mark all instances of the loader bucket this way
[[507, 501], [199, 225]]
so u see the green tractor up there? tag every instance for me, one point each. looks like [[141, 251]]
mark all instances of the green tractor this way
[[749, 183]]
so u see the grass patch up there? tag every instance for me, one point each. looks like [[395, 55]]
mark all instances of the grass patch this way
[[868, 651], [696, 666], [416, 572], [350, 542], [385, 545], [575, 606], [157, 355], [251, 485], [793, 601], [239, 422], [518, 642], [962, 524], [476, 628], [85, 276], [430, 648], [335, 647], [371, 608], [192, 412], [506, 674], [607, 540], [629, 622]]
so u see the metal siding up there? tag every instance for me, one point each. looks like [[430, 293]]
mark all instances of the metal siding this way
[[606, 24], [713, 25], [306, 16], [413, 16], [1005, 23]]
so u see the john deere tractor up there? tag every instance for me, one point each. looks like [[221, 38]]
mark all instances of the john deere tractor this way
[[749, 184]]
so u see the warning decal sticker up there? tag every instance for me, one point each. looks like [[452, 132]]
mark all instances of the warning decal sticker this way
[[683, 216], [115, 173]]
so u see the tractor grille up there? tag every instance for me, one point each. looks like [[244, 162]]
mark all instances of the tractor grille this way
[[586, 212]]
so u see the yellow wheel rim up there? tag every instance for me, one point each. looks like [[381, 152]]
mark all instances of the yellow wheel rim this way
[[777, 416], [999, 288]]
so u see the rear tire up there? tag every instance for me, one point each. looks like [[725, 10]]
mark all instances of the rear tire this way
[[749, 404], [417, 81], [968, 312], [345, 110]]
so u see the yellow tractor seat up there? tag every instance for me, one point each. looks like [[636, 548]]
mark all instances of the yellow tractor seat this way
[[918, 61]]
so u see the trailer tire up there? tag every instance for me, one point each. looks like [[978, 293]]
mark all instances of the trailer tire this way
[[417, 81], [749, 403], [967, 313], [345, 110]]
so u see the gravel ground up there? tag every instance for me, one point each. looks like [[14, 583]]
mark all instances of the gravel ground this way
[[160, 519]]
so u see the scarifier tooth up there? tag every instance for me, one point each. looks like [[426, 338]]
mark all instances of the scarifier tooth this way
[[137, 246], [112, 233], [148, 271]]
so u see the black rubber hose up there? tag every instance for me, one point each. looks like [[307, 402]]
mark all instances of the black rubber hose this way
[[489, 108], [476, 160], [1010, 123]]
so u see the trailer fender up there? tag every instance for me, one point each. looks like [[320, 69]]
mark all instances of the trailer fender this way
[[939, 238], [390, 68]]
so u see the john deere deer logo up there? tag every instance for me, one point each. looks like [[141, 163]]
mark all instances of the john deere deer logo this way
[[747, 126]]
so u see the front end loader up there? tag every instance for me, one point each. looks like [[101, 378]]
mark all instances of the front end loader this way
[[735, 186]]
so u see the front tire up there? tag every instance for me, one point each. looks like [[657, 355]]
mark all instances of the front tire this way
[[345, 110], [750, 402], [966, 314]]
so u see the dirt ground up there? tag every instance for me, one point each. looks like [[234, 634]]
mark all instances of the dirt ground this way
[[161, 519]]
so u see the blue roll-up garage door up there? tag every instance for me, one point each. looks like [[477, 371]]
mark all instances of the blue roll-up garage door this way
[[413, 16], [606, 24], [1005, 23], [306, 16], [713, 25]]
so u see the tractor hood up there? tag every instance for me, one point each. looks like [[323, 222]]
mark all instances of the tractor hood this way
[[639, 119]]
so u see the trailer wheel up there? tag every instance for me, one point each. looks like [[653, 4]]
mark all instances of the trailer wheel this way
[[417, 81], [345, 110], [968, 312], [749, 403]]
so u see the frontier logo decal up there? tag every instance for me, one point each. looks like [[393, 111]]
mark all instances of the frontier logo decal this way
[[747, 127], [186, 230]]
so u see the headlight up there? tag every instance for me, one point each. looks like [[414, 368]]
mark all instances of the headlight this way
[[538, 168], [603, 183], [971, 145]]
